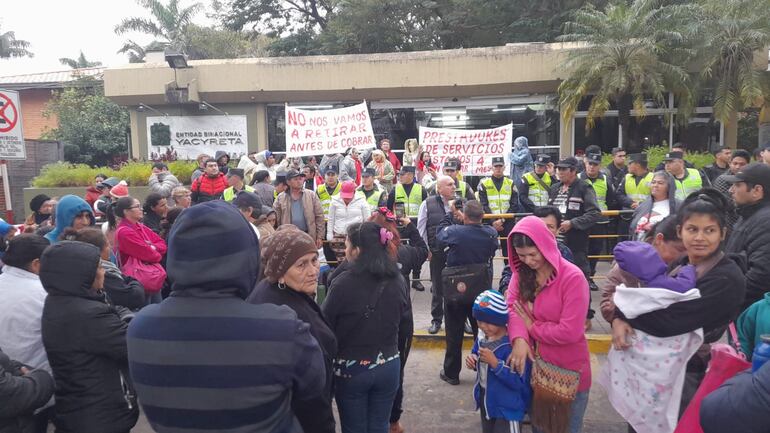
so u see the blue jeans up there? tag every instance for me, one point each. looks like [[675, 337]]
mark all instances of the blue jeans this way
[[577, 412], [365, 400]]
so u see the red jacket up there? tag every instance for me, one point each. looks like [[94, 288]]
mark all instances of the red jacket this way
[[137, 240], [394, 161], [207, 188], [92, 194]]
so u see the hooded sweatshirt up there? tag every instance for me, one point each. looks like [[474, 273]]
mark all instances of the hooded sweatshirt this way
[[559, 311], [204, 359], [67, 209], [642, 261], [521, 159], [261, 159]]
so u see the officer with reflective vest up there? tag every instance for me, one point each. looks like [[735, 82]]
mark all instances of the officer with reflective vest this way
[[407, 194], [534, 186], [497, 195], [376, 196], [687, 180], [235, 180], [329, 189], [462, 189], [635, 187], [605, 198]]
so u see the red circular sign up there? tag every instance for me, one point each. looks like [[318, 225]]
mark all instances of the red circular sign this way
[[8, 114]]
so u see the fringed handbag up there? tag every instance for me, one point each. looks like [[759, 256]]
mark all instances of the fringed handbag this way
[[554, 389]]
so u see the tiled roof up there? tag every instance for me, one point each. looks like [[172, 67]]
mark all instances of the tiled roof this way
[[49, 79]]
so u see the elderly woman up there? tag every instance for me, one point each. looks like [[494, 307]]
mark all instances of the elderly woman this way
[[722, 285], [661, 204], [548, 298], [383, 170], [291, 277], [182, 197]]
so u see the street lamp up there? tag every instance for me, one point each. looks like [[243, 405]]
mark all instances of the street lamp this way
[[175, 59], [144, 107], [204, 106]]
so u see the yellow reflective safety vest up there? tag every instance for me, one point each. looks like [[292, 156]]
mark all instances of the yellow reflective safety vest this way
[[460, 188], [537, 194], [228, 195], [374, 200], [412, 202], [498, 199], [641, 191], [326, 198], [600, 188], [689, 184]]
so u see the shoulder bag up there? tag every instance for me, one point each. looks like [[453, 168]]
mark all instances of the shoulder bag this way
[[151, 275], [462, 284]]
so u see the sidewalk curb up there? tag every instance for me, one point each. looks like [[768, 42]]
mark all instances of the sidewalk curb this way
[[597, 343]]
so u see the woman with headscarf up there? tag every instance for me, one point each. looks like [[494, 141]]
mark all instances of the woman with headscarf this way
[[383, 170], [521, 159], [291, 278]]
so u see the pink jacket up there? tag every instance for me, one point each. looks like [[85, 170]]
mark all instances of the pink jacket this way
[[136, 240], [559, 309]]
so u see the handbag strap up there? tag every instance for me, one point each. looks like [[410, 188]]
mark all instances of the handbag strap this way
[[736, 340], [371, 307]]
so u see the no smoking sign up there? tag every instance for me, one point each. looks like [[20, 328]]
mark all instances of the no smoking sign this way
[[11, 131], [9, 114]]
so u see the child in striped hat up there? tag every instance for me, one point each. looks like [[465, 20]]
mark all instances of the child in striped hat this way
[[501, 393]]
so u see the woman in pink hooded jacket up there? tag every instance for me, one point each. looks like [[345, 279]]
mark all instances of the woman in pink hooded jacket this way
[[548, 298]]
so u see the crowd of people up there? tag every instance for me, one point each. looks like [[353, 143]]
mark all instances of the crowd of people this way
[[266, 290]]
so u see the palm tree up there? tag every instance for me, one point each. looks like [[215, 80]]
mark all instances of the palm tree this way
[[737, 30], [168, 24], [627, 54], [12, 47], [81, 62]]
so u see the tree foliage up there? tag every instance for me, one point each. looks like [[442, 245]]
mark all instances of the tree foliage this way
[[94, 129], [80, 62], [12, 47]]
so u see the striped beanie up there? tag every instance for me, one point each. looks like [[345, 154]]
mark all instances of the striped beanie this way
[[212, 247], [490, 307]]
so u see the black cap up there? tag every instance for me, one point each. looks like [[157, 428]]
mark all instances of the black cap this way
[[407, 169], [542, 159], [450, 164], [670, 156], [757, 173], [569, 162], [235, 172], [291, 174], [367, 172], [498, 160], [279, 179], [594, 158], [248, 199], [640, 158], [333, 168]]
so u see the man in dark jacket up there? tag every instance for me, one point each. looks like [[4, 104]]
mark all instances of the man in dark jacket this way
[[750, 236], [204, 359], [85, 340], [222, 159], [739, 405], [22, 391], [469, 242]]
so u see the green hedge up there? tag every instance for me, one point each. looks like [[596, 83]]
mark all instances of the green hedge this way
[[655, 156], [62, 174]]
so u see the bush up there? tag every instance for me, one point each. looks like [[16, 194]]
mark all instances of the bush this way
[[62, 174], [655, 156]]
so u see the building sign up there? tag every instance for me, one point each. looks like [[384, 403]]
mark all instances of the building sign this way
[[11, 131], [186, 137], [475, 148], [320, 132]]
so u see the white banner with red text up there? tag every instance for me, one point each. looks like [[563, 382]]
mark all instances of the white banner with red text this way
[[321, 132], [475, 148]]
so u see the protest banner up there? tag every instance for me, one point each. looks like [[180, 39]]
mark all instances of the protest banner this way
[[321, 132], [475, 148], [186, 137]]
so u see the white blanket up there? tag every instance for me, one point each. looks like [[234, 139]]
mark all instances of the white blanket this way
[[644, 382]]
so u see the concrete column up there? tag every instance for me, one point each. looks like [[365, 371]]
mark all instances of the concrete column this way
[[134, 150], [764, 126], [261, 142]]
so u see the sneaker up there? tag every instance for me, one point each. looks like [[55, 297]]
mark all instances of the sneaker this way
[[417, 285], [448, 379], [434, 328], [468, 328]]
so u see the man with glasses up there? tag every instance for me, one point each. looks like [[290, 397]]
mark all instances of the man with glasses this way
[[576, 201]]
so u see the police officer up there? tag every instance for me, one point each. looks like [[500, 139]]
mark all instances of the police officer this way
[[635, 187], [535, 186], [462, 189], [576, 201], [376, 196], [687, 180], [605, 197], [329, 189], [617, 170], [498, 195], [409, 195]]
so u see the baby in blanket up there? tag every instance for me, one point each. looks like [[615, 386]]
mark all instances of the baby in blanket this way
[[642, 261]]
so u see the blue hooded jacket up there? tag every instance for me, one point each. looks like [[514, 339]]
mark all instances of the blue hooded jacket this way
[[67, 209], [508, 394], [521, 159]]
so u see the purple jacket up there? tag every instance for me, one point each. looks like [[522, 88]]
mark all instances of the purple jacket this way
[[642, 261]]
